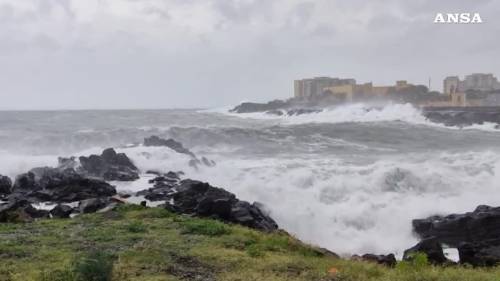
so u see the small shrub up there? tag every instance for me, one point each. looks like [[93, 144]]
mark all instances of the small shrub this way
[[136, 227], [205, 227], [254, 251], [97, 266], [417, 262]]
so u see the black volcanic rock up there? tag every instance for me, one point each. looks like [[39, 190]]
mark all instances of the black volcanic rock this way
[[486, 253], [20, 210], [93, 205], [387, 260], [56, 185], [476, 234], [179, 148], [202, 199], [163, 187], [61, 211], [462, 116], [480, 225], [170, 143], [110, 166], [249, 107], [431, 247], [5, 186]]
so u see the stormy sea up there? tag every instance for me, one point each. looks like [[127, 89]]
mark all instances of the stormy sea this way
[[349, 179]]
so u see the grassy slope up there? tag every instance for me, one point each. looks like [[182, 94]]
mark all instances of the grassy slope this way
[[153, 244]]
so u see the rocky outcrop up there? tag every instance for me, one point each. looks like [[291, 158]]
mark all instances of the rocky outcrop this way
[[20, 211], [204, 200], [179, 148], [5, 186], [387, 260], [249, 107], [93, 205], [61, 211], [486, 253], [170, 143], [480, 225], [431, 247], [460, 116], [163, 187], [110, 166], [56, 185], [475, 234]]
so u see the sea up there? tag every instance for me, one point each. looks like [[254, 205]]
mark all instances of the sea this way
[[350, 179]]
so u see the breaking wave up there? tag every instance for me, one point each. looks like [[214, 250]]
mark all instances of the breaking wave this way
[[357, 113], [350, 179]]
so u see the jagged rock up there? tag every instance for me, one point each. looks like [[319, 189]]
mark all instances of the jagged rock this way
[[163, 187], [475, 234], [67, 163], [20, 211], [194, 197], [170, 143], [431, 247], [249, 107], [92, 205], [56, 185], [460, 116], [301, 111], [387, 260], [178, 147], [61, 211], [110, 166], [480, 225], [486, 253], [5, 186]]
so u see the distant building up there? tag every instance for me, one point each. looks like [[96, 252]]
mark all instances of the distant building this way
[[474, 82], [478, 89], [354, 92], [314, 87], [451, 84]]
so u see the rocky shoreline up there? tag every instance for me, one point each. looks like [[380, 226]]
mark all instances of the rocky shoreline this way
[[81, 185]]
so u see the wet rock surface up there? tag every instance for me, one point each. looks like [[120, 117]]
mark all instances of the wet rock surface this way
[[431, 247], [56, 185], [170, 143], [460, 116], [5, 186], [480, 225], [387, 260], [20, 211], [61, 211], [202, 199], [179, 148], [475, 234], [110, 166], [485, 253]]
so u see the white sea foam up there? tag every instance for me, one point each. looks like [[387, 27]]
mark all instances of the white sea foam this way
[[12, 164], [351, 204], [360, 113], [346, 207]]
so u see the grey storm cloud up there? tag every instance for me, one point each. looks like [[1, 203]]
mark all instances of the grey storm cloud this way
[[208, 53]]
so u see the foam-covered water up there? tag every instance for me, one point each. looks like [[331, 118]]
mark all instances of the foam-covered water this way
[[350, 179]]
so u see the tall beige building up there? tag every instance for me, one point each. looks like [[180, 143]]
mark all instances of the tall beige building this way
[[314, 87]]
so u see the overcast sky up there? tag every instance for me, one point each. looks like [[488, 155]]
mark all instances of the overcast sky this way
[[57, 54]]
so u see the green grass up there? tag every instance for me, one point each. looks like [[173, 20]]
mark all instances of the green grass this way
[[137, 243]]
